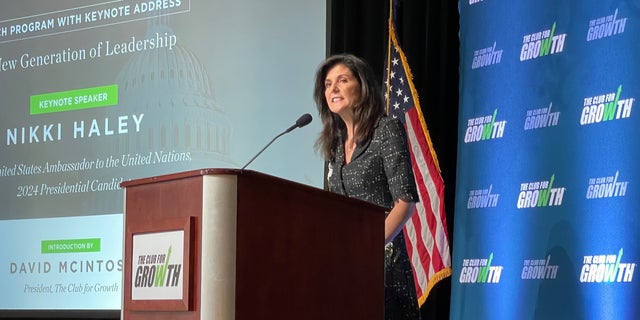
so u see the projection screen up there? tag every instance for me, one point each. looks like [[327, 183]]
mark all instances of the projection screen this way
[[94, 93]]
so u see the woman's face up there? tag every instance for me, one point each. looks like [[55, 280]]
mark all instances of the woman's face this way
[[341, 89]]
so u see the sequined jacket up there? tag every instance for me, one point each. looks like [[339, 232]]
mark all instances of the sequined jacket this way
[[380, 169]]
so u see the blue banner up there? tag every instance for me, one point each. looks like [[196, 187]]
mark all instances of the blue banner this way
[[546, 217]]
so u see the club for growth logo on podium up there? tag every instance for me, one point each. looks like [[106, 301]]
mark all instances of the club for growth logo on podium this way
[[157, 271]]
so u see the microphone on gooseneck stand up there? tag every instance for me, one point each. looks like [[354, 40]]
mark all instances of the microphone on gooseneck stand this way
[[304, 120]]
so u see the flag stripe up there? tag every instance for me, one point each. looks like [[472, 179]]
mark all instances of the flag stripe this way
[[432, 192], [427, 199], [411, 238], [421, 259]]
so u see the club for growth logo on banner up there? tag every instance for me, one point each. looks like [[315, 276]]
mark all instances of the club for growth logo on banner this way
[[539, 269], [482, 198], [606, 268], [486, 57], [541, 118], [606, 26], [542, 43], [606, 107], [607, 187], [480, 271], [538, 194], [484, 128]]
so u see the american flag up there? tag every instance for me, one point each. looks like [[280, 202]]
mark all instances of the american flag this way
[[425, 233]]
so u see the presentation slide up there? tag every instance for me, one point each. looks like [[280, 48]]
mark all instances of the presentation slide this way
[[94, 93]]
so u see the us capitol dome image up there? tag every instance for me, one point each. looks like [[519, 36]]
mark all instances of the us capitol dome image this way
[[172, 89]]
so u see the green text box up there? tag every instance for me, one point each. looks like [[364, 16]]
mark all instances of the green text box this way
[[74, 99], [70, 245]]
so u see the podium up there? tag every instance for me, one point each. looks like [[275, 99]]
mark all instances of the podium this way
[[238, 244]]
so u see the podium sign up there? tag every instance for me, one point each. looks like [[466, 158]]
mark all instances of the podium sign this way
[[158, 266], [160, 254]]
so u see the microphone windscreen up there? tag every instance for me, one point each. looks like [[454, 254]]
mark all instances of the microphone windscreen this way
[[304, 120]]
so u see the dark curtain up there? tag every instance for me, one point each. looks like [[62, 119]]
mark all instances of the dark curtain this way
[[428, 34]]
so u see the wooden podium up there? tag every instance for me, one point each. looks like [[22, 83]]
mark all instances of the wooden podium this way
[[253, 247]]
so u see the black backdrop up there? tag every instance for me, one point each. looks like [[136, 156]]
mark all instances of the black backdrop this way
[[428, 34]]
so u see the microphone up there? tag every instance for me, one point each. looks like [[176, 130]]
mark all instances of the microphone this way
[[304, 120]]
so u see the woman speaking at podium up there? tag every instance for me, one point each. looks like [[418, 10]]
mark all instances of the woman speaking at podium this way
[[368, 159]]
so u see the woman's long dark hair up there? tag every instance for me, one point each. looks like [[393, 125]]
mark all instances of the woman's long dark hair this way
[[367, 110]]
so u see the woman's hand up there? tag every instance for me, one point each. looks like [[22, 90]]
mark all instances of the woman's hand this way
[[397, 217]]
